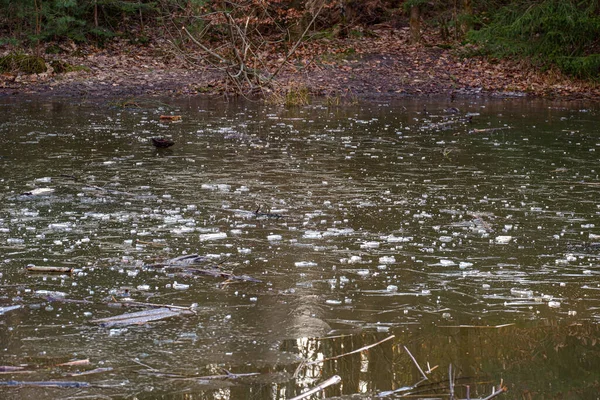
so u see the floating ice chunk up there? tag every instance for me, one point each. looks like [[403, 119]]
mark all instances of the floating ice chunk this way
[[50, 293], [363, 272], [426, 292], [45, 179], [445, 239], [521, 292], [40, 192], [594, 236], [464, 264], [387, 260], [244, 250], [485, 286], [274, 238], [213, 236], [354, 259], [392, 288], [15, 241], [447, 263], [60, 226], [398, 239], [143, 287], [333, 302], [305, 264], [554, 304], [312, 235], [180, 286], [369, 245], [503, 239]]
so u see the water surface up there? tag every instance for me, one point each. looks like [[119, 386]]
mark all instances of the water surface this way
[[471, 236]]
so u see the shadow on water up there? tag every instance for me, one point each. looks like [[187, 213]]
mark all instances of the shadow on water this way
[[470, 235]]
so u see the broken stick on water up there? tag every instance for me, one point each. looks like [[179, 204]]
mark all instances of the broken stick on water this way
[[334, 380], [351, 352], [416, 363]]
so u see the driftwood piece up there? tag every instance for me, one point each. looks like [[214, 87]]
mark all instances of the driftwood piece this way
[[49, 270], [222, 274], [8, 308], [55, 384], [90, 372], [138, 318], [334, 380]]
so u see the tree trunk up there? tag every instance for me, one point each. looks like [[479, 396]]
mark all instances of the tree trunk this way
[[415, 25], [466, 24]]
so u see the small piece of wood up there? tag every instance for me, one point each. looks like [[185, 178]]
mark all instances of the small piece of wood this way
[[334, 380], [170, 117], [141, 317], [50, 270]]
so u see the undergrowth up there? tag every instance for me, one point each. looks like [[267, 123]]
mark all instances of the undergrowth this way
[[561, 33]]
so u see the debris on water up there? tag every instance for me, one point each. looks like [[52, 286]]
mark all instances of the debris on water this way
[[522, 293], [162, 143], [305, 264], [8, 308], [398, 239], [170, 117], [274, 238], [141, 317], [180, 286], [49, 270], [503, 239], [74, 363], [56, 384], [39, 192], [213, 236], [387, 260], [50, 293], [554, 304], [447, 263], [90, 372]]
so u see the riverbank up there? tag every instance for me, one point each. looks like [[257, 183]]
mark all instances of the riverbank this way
[[383, 65]]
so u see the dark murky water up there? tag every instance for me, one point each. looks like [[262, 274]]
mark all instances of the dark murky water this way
[[475, 244]]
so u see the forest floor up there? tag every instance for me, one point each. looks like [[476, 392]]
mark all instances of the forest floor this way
[[382, 65]]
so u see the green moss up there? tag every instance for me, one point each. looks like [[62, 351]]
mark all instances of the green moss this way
[[22, 63]]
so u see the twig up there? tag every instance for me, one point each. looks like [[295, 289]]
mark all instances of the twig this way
[[352, 352], [496, 393], [139, 303], [451, 380], [203, 47], [416, 363], [144, 365], [293, 49], [334, 380]]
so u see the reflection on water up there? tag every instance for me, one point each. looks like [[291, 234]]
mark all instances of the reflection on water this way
[[474, 242]]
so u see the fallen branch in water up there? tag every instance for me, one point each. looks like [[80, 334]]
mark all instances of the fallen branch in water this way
[[500, 390], [334, 380], [139, 318], [56, 384], [49, 270], [416, 363], [351, 352]]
